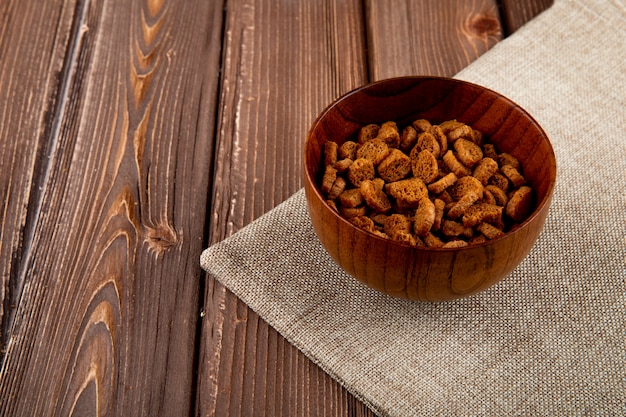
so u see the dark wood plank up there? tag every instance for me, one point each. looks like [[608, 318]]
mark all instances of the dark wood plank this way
[[31, 66], [283, 62], [515, 13], [107, 319], [429, 37]]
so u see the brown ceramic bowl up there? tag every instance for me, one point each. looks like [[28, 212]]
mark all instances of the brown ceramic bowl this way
[[419, 273]]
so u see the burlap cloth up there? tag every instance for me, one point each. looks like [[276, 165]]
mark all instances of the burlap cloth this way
[[550, 338]]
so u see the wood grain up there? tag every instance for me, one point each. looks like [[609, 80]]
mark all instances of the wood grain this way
[[283, 62], [430, 37], [106, 321], [31, 74]]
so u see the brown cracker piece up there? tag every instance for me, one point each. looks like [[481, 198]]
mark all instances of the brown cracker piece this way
[[443, 168], [453, 164], [477, 137], [448, 206], [488, 197], [520, 204], [445, 197], [500, 181], [408, 192], [389, 134], [457, 243], [426, 141], [408, 139], [363, 222], [405, 237], [342, 165], [489, 151], [508, 159], [449, 125], [375, 197], [499, 195], [375, 150], [379, 183], [463, 205], [465, 185], [513, 175], [351, 198], [468, 152], [330, 175], [395, 166], [421, 125], [432, 241], [338, 187], [440, 185], [441, 138], [485, 169], [451, 228], [347, 150], [439, 209], [477, 239], [489, 231], [360, 170], [482, 212], [424, 217], [330, 152], [396, 223], [379, 218], [461, 132], [350, 212], [380, 234], [424, 166], [367, 133]]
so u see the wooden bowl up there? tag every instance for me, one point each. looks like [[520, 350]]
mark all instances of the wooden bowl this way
[[419, 273]]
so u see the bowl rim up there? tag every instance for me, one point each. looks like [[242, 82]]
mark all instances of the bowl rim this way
[[507, 235]]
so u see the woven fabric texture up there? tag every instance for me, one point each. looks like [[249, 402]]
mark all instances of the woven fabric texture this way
[[550, 338]]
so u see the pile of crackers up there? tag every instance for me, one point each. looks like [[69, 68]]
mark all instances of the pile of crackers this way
[[432, 185]]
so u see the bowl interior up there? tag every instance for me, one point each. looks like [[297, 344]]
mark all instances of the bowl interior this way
[[510, 128]]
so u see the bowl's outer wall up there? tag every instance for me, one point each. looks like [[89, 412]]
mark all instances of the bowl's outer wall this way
[[417, 273]]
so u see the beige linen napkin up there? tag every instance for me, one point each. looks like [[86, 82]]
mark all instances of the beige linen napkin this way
[[550, 338]]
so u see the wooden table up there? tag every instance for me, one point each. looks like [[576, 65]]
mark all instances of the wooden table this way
[[133, 134]]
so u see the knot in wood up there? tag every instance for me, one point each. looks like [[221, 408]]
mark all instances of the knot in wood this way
[[161, 238], [485, 25]]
